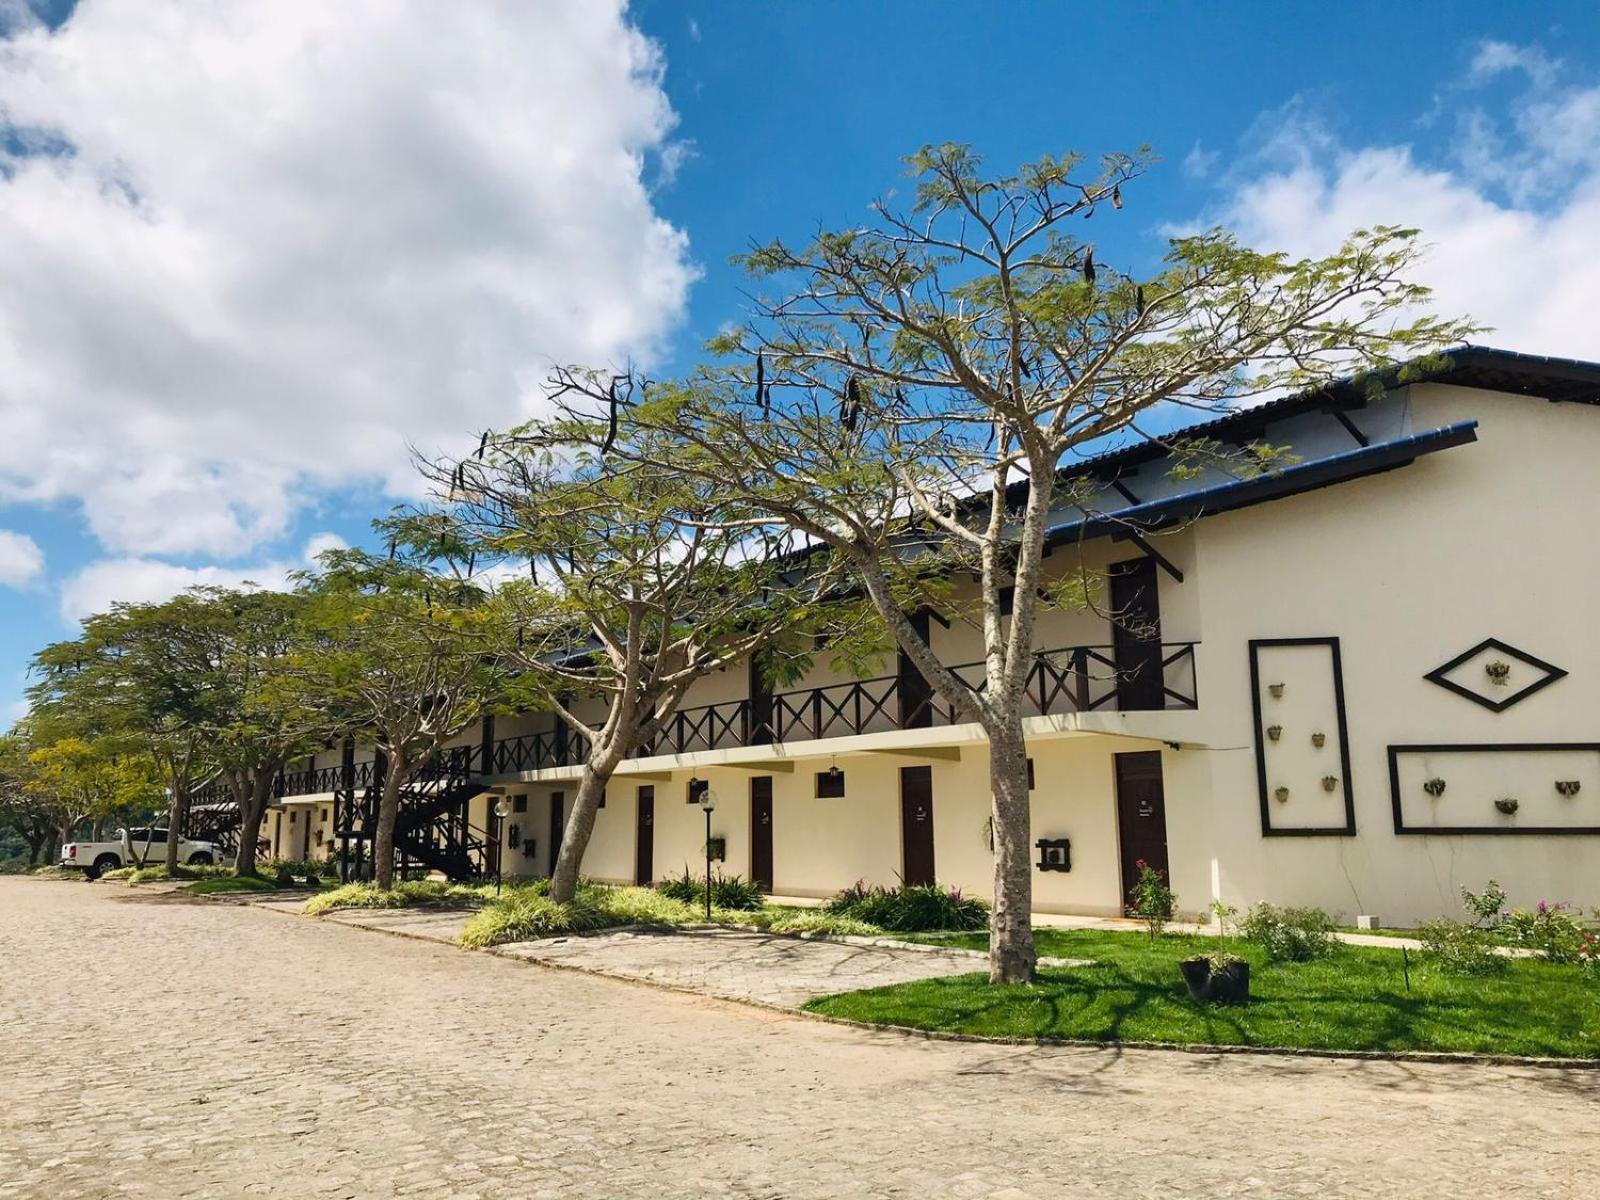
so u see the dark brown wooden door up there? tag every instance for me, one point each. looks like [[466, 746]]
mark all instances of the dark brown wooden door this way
[[1141, 816], [916, 824], [915, 692], [1136, 635], [760, 702], [761, 832], [644, 853], [558, 824]]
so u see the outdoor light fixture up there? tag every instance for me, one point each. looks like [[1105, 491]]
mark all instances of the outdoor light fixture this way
[[708, 803], [833, 771], [502, 809]]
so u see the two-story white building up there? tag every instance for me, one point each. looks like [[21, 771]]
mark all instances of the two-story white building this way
[[1361, 680]]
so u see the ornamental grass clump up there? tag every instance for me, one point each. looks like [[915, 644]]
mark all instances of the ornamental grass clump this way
[[410, 893], [727, 891], [913, 908], [1289, 934]]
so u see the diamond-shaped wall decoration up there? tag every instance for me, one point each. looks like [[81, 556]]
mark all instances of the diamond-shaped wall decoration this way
[[1495, 675]]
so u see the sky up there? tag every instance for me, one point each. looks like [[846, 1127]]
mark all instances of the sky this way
[[253, 255]]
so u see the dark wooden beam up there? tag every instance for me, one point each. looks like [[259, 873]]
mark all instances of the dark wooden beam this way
[[1151, 552]]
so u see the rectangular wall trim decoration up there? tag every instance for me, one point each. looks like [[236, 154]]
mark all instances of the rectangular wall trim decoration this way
[[1504, 789], [1302, 741]]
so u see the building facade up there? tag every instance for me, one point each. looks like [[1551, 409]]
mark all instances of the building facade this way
[[1363, 679]]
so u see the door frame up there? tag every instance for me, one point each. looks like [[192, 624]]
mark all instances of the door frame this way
[[1135, 767], [918, 776], [761, 783], [644, 836]]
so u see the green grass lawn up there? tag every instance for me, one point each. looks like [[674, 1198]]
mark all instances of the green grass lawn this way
[[1356, 999], [231, 883]]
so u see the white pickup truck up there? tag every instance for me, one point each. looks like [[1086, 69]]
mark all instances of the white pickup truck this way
[[148, 845]]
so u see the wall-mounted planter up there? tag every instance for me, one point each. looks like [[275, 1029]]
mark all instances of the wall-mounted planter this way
[[1274, 732], [1499, 672], [1507, 806], [1567, 787], [1434, 787], [1276, 689], [1281, 793], [1319, 740], [1329, 782]]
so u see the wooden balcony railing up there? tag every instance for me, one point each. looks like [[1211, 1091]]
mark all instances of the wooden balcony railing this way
[[1143, 677]]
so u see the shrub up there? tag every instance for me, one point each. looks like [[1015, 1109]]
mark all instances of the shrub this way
[[230, 883], [1458, 947], [1289, 934], [523, 915], [526, 913], [916, 908], [1550, 928], [1153, 901], [814, 920], [406, 894], [727, 891], [1486, 908]]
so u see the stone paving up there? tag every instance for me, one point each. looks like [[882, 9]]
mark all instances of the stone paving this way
[[173, 1048]]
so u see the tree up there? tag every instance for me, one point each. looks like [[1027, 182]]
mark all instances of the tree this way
[[262, 724], [22, 810], [149, 674], [396, 654], [83, 781], [920, 381], [642, 580]]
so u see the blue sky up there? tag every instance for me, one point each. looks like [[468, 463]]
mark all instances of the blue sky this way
[[299, 238]]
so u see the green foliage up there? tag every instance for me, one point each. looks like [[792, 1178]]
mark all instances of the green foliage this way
[[224, 884], [525, 914], [810, 920], [1289, 934], [406, 894], [1356, 998], [1548, 928], [727, 891], [1486, 908], [913, 908], [1459, 948], [1153, 900]]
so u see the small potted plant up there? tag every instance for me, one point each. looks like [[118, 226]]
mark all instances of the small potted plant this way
[[1434, 787], [1276, 689], [1318, 739], [1508, 805], [1217, 977], [1274, 732], [1567, 787], [1329, 782], [1281, 792], [1498, 672]]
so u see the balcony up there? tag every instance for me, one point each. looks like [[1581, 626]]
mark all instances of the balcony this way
[[1154, 677], [1145, 677]]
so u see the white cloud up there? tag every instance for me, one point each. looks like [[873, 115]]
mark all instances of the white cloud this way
[[147, 580], [21, 560], [277, 242], [1513, 248]]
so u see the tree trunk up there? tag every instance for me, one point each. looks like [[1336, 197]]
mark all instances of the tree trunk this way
[[388, 814], [597, 773], [252, 811], [36, 844], [1012, 957], [177, 813]]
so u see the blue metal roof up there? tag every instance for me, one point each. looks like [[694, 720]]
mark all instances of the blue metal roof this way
[[1269, 485]]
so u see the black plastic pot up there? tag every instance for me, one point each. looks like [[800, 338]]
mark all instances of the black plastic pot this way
[[1197, 977], [1226, 984]]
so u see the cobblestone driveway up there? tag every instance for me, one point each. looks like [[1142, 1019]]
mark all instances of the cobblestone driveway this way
[[165, 1048]]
